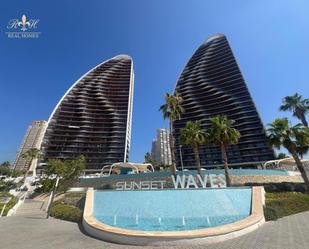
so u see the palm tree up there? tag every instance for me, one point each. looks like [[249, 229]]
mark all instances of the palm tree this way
[[294, 138], [149, 159], [29, 156], [172, 110], [223, 134], [281, 156], [64, 170], [194, 136], [297, 105], [5, 164]]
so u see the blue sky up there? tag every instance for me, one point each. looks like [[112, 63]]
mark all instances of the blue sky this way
[[270, 40]]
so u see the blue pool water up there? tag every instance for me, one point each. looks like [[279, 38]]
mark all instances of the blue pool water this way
[[159, 174], [172, 210]]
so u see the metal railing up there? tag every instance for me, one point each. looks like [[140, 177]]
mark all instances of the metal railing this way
[[20, 201]]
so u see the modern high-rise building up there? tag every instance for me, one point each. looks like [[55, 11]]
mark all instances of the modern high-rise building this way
[[211, 84], [94, 117], [161, 151], [32, 140]]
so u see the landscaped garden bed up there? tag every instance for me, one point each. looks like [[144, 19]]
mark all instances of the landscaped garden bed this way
[[70, 207], [9, 205], [280, 204]]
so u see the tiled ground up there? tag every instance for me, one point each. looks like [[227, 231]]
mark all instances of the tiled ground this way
[[16, 232]]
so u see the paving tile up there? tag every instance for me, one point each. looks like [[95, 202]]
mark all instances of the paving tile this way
[[29, 233]]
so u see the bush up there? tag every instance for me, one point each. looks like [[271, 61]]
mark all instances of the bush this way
[[282, 204], [11, 203], [281, 187], [76, 199], [66, 212], [47, 185], [7, 186], [4, 170], [106, 186], [16, 172], [270, 213]]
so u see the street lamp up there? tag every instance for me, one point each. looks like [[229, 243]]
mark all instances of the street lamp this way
[[181, 162]]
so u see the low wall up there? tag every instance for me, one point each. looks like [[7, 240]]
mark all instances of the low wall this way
[[108, 182], [245, 179]]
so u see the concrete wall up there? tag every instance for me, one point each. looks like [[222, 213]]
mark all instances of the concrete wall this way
[[236, 180]]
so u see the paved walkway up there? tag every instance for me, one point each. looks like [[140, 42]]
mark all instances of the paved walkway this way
[[33, 233]]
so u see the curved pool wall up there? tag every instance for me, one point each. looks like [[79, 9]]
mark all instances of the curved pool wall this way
[[188, 217], [172, 209], [159, 174]]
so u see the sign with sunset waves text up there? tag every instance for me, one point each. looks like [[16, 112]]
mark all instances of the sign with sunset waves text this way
[[179, 182]]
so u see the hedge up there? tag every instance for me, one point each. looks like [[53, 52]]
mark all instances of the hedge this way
[[282, 204], [66, 212]]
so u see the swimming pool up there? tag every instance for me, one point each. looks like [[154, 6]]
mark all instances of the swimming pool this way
[[172, 210]]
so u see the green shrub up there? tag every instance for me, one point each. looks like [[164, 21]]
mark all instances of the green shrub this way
[[16, 172], [76, 199], [11, 203], [281, 186], [7, 186], [47, 186], [66, 212], [282, 204], [4, 170], [270, 213]]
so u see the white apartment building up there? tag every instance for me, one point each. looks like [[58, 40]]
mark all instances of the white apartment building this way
[[161, 151], [32, 139]]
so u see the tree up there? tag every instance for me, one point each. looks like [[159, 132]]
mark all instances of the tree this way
[[163, 167], [63, 170], [5, 168], [29, 156], [5, 164], [223, 134], [294, 138], [194, 136], [149, 159], [281, 156], [297, 105], [172, 110]]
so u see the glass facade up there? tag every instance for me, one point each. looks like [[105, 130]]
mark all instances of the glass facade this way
[[94, 117], [211, 84]]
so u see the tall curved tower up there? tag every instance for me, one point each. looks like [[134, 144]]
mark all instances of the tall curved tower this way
[[212, 84], [94, 116]]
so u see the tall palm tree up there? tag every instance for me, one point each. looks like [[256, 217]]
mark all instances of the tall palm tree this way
[[297, 105], [223, 134], [172, 110], [294, 138], [64, 170], [194, 136], [29, 156]]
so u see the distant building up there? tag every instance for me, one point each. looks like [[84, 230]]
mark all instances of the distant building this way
[[32, 139], [94, 117], [161, 151], [212, 84]]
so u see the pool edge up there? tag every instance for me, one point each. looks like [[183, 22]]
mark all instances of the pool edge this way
[[105, 232]]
